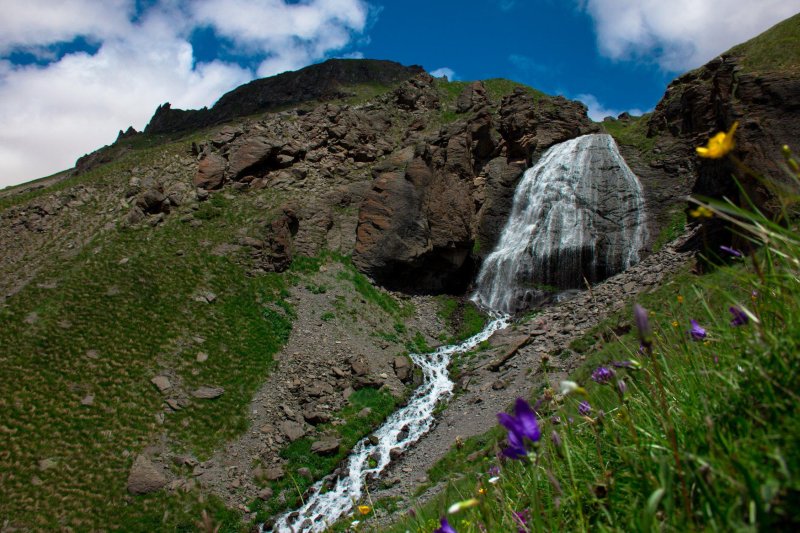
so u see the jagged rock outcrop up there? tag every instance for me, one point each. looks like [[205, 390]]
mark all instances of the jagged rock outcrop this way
[[325, 81]]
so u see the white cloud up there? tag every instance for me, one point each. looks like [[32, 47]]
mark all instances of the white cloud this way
[[444, 71], [293, 35], [52, 114], [32, 23], [680, 34], [598, 111]]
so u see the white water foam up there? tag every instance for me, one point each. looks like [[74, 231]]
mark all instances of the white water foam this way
[[323, 509]]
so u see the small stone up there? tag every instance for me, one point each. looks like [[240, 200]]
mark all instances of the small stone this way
[[173, 404], [292, 430], [305, 472], [202, 357], [87, 400], [92, 354], [36, 481], [265, 493], [162, 382], [274, 473], [326, 446], [208, 393], [365, 412], [499, 385], [32, 318]]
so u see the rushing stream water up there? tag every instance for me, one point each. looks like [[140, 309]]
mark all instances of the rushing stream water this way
[[413, 420], [578, 214]]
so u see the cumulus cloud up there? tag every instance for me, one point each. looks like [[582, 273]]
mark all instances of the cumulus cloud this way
[[597, 111], [680, 34], [446, 72], [305, 32], [53, 113]]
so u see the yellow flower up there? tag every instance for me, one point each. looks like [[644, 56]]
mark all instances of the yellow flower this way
[[702, 212], [481, 491], [719, 145], [675, 324], [364, 509], [680, 299]]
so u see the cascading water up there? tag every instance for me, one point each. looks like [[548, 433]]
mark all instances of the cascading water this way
[[323, 509], [578, 215], [579, 212]]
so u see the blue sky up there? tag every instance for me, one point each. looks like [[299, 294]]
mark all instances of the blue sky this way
[[74, 72]]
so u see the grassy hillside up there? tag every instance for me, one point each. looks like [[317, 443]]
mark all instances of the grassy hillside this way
[[697, 430], [777, 49]]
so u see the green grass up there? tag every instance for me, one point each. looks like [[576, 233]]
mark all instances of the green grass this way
[[674, 228], [298, 454], [497, 88], [726, 406], [631, 132], [462, 318], [777, 49], [124, 311]]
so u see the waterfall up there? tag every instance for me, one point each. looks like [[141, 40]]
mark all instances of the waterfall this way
[[578, 215]]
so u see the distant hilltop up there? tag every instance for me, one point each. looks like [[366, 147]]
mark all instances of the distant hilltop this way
[[323, 81]]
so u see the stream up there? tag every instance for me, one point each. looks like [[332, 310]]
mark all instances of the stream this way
[[402, 429]]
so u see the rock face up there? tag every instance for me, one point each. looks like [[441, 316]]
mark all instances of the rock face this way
[[417, 226], [324, 81], [764, 98]]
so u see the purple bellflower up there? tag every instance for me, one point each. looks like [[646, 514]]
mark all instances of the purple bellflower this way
[[521, 428], [602, 375], [697, 332], [584, 408], [643, 325], [731, 251], [445, 527], [739, 317]]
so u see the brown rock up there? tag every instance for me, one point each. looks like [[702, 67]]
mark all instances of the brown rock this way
[[208, 393], [326, 446], [265, 493], [274, 473], [402, 367], [210, 171], [145, 477], [293, 430], [162, 383]]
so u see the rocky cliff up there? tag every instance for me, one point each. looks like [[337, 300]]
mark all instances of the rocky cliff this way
[[330, 80]]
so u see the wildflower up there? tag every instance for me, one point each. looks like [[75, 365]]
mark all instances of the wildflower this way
[[697, 332], [520, 428], [675, 324], [584, 408], [731, 251], [754, 295], [522, 517], [719, 145], [494, 480], [494, 470], [364, 509], [739, 317], [445, 527], [680, 299], [602, 375], [622, 387], [701, 212], [460, 506], [481, 491], [568, 387], [643, 325], [556, 439]]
